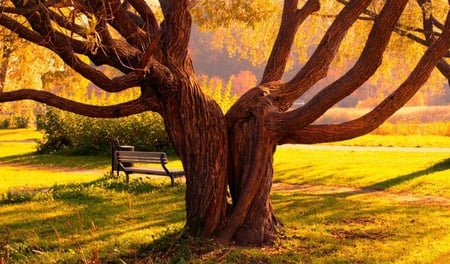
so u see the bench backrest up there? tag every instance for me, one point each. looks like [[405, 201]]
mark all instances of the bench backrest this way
[[141, 156]]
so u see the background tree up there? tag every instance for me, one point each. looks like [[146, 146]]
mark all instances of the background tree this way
[[217, 149]]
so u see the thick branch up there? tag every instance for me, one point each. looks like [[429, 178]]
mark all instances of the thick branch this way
[[127, 27], [370, 121], [176, 30], [21, 30], [62, 45], [363, 69], [151, 23], [317, 66], [444, 68], [113, 111], [291, 20]]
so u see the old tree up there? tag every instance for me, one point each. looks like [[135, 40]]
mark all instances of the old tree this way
[[221, 151]]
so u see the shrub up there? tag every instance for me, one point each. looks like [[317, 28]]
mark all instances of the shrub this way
[[4, 123], [15, 122], [74, 134], [21, 122]]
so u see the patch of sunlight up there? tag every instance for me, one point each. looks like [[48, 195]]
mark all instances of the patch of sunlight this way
[[13, 177]]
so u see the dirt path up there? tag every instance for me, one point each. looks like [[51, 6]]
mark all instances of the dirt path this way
[[394, 197]]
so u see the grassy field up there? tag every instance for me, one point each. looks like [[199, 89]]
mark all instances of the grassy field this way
[[61, 209]]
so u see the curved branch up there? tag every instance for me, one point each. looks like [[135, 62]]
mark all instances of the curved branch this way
[[176, 29], [363, 125], [64, 23], [116, 84], [444, 68], [291, 19], [113, 111], [405, 30], [119, 19], [317, 66], [364, 68], [21, 30], [151, 23]]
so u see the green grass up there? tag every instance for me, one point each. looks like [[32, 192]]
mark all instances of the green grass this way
[[53, 212], [103, 217], [415, 172], [18, 141], [20, 134]]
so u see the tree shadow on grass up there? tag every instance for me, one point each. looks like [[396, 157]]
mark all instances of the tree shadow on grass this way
[[380, 186], [440, 166], [80, 215]]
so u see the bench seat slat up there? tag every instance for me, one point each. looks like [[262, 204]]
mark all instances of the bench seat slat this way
[[140, 156], [152, 171], [130, 159]]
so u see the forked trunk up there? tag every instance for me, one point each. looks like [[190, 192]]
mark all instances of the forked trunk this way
[[252, 221], [236, 150]]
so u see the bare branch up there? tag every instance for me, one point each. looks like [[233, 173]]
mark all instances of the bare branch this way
[[364, 68], [292, 18], [66, 24], [176, 29], [113, 111], [21, 30], [120, 20], [373, 119], [406, 30], [151, 23], [444, 68], [317, 66]]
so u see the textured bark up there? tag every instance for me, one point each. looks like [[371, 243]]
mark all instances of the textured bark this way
[[250, 177], [199, 136]]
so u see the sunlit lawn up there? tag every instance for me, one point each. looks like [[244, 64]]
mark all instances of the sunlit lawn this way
[[82, 217], [416, 172]]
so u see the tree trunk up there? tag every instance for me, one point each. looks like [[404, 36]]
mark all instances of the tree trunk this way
[[246, 165], [251, 221], [196, 126]]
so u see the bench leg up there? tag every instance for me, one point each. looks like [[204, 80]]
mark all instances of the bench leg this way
[[172, 180], [127, 177]]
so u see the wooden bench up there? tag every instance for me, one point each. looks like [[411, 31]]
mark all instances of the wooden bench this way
[[128, 159], [115, 146]]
